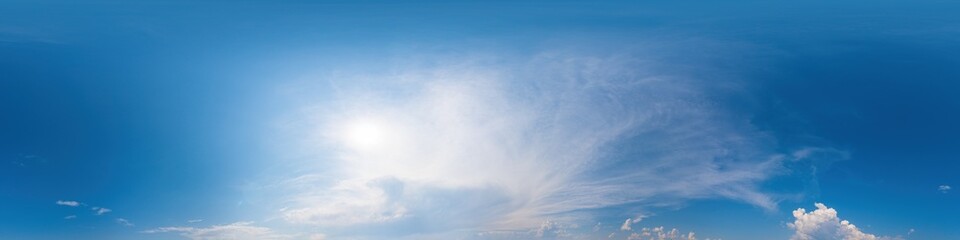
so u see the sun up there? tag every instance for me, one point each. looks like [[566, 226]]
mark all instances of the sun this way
[[364, 134]]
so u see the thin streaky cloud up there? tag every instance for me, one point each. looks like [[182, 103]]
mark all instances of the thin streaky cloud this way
[[660, 233], [68, 203], [234, 231], [101, 210], [124, 222]]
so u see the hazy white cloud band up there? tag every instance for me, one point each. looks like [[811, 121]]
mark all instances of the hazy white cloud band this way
[[235, 231], [486, 146]]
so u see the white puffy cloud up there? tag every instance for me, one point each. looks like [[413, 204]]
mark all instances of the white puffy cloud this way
[[824, 224], [233, 231], [68, 203], [944, 188], [552, 230], [629, 221]]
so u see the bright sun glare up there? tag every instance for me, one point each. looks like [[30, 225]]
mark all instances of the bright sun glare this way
[[364, 135]]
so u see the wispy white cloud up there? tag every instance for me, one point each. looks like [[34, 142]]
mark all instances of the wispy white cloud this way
[[70, 217], [124, 222], [494, 147], [100, 210], [659, 233], [944, 188], [233, 231], [68, 203], [824, 224], [194, 220], [11, 34], [28, 159]]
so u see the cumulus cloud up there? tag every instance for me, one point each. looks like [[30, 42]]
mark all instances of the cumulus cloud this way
[[824, 224], [506, 147], [626, 225], [68, 203], [629, 221], [552, 230], [944, 188], [233, 231], [100, 210]]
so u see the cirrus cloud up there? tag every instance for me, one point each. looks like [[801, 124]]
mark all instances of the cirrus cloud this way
[[497, 147]]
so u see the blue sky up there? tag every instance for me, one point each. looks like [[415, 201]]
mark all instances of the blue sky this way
[[479, 120]]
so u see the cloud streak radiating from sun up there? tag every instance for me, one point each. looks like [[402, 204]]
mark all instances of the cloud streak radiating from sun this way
[[485, 146]]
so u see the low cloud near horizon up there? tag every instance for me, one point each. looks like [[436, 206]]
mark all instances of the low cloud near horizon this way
[[823, 223]]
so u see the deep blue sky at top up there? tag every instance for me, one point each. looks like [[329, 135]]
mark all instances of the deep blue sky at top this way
[[162, 111]]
